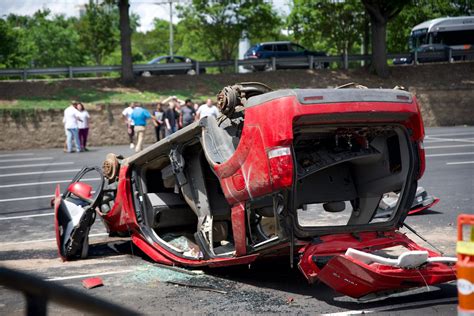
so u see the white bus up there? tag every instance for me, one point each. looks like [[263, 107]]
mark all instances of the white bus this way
[[455, 32]]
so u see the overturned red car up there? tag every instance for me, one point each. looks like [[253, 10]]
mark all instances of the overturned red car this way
[[296, 173]]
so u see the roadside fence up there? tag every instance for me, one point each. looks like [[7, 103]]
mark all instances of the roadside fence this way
[[271, 64]]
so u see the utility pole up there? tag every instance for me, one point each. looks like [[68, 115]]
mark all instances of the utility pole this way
[[171, 28], [170, 2]]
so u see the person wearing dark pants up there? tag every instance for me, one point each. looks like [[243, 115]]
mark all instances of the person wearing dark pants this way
[[171, 118], [158, 122], [83, 126]]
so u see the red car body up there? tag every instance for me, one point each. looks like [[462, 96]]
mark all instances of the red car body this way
[[248, 179]]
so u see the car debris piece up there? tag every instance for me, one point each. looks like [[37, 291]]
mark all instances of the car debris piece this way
[[301, 174], [91, 283], [422, 201]]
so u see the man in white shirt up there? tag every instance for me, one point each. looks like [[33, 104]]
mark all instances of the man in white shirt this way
[[207, 110], [70, 119], [130, 123]]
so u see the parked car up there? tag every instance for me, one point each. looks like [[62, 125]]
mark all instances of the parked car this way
[[295, 175], [436, 53], [169, 60], [281, 49]]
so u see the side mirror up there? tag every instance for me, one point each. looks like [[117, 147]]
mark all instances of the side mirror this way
[[81, 190]]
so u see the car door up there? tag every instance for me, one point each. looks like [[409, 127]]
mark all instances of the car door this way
[[179, 59], [282, 51], [297, 50]]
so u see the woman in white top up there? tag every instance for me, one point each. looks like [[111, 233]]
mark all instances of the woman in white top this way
[[83, 126]]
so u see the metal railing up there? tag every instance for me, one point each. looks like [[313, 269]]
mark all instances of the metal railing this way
[[38, 292], [308, 62]]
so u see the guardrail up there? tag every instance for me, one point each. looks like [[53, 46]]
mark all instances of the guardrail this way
[[38, 292], [307, 62]]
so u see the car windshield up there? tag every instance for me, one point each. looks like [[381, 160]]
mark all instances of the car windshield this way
[[418, 38], [251, 50], [297, 48], [155, 60]]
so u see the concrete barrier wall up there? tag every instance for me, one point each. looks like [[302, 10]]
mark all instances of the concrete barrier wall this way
[[44, 129]]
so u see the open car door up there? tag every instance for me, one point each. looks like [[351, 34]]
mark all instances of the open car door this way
[[74, 213]]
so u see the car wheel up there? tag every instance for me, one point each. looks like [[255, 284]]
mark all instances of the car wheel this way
[[318, 65], [191, 72], [258, 68], [146, 74]]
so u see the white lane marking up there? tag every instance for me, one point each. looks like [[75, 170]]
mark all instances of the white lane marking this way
[[80, 276], [37, 172], [38, 165], [449, 154], [45, 182], [459, 163], [349, 313], [439, 140], [448, 146], [25, 216], [15, 155], [27, 198], [44, 240], [452, 134], [26, 159]]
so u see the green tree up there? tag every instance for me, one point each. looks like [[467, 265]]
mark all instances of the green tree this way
[[126, 41], [9, 43], [98, 30], [45, 41], [156, 42], [218, 25], [329, 25], [381, 12]]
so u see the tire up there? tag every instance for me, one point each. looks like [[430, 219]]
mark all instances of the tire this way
[[146, 74], [191, 72], [318, 65], [258, 68]]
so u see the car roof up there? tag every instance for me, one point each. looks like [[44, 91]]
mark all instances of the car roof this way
[[275, 43], [154, 60]]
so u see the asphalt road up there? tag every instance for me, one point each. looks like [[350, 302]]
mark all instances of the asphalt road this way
[[27, 183]]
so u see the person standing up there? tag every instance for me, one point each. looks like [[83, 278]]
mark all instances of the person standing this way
[[158, 122], [187, 114], [83, 126], [139, 117], [70, 119], [171, 118], [130, 123], [207, 109]]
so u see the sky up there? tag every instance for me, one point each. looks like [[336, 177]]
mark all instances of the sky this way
[[147, 10]]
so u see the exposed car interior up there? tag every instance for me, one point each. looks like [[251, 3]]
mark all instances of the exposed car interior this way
[[184, 205], [343, 172]]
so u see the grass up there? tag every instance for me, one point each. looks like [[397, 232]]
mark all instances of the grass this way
[[93, 96]]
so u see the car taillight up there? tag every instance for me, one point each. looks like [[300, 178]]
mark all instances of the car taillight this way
[[422, 159], [281, 167]]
